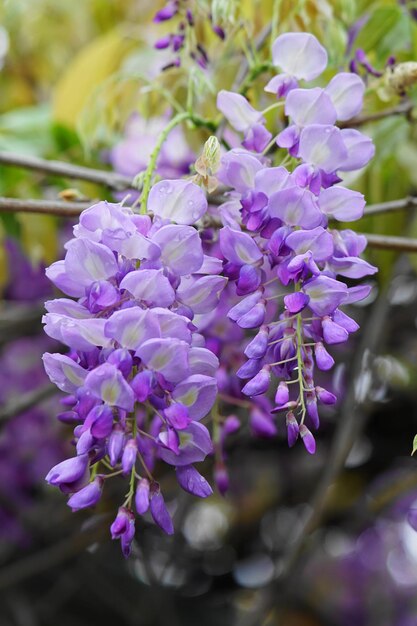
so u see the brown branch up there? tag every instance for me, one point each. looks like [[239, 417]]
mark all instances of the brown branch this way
[[66, 170], [404, 108], [46, 207], [409, 202], [387, 242]]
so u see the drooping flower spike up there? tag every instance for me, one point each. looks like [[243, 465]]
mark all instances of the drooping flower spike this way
[[172, 312]]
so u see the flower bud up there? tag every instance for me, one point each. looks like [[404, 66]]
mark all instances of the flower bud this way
[[282, 395], [257, 348], [326, 397], [129, 456], [142, 496], [308, 439], [87, 496], [293, 429], [323, 359], [259, 383]]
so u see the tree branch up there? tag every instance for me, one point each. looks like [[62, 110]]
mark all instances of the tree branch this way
[[404, 108], [409, 202], [387, 242], [66, 170], [46, 207]]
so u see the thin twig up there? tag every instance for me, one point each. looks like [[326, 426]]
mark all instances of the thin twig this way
[[67, 170], [27, 401], [46, 207], [404, 108], [387, 242], [409, 202]]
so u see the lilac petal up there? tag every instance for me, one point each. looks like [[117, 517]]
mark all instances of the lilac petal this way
[[323, 147], [160, 513], [193, 482], [64, 372], [87, 496], [202, 294], [58, 275], [244, 306], [107, 383], [282, 394], [325, 294], [142, 385], [317, 240], [177, 415], [281, 85], [257, 138], [100, 421], [293, 429], [142, 496], [360, 150], [308, 439], [295, 207], [310, 106], [239, 248], [333, 333], [257, 348], [122, 359], [346, 91], [352, 267], [87, 261], [326, 397], [237, 110], [323, 359], [195, 445], [258, 384], [289, 138], [299, 55], [129, 456], [341, 204], [67, 308], [101, 295], [296, 302], [121, 523], [203, 361], [249, 369], [68, 471], [115, 444], [253, 318], [271, 179], [131, 327], [179, 201], [197, 393], [360, 292], [345, 321], [167, 356], [312, 411], [150, 286], [172, 324], [181, 249], [238, 169], [84, 335]]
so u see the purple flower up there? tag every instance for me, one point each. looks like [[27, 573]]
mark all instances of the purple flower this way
[[193, 482], [106, 382], [68, 472], [142, 496], [299, 55], [160, 512], [88, 496], [179, 201]]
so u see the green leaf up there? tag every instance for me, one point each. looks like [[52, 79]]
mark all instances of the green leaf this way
[[382, 21], [414, 445]]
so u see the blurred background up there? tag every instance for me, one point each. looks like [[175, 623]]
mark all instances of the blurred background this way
[[298, 540]]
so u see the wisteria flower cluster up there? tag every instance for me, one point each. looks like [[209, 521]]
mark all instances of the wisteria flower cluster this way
[[156, 297]]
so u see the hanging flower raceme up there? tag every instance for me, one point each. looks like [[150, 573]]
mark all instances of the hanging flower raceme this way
[[171, 309], [137, 373], [280, 249]]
